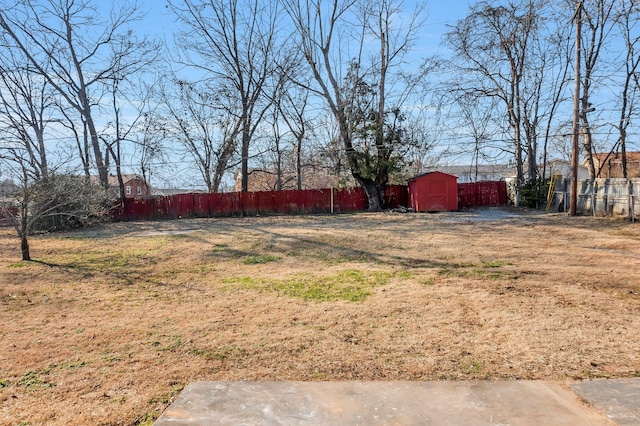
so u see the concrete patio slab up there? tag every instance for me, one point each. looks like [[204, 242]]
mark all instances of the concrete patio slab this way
[[381, 403], [618, 399]]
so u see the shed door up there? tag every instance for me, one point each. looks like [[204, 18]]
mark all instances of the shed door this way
[[436, 195]]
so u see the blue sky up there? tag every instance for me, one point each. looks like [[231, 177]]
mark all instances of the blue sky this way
[[159, 22]]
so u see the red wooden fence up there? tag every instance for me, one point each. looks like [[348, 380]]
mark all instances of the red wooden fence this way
[[485, 194], [288, 202]]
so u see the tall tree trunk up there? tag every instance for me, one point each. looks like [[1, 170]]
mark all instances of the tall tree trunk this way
[[23, 230], [369, 185], [299, 162], [623, 150], [24, 247], [103, 169], [517, 142], [245, 157], [374, 198]]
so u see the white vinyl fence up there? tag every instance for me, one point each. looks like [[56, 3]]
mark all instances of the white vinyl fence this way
[[601, 197]]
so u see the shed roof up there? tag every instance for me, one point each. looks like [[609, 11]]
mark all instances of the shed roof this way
[[432, 173]]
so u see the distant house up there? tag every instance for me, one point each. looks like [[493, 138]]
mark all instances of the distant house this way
[[562, 167], [609, 165], [134, 186], [480, 173]]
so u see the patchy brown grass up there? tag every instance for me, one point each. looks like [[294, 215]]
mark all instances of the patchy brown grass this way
[[109, 324]]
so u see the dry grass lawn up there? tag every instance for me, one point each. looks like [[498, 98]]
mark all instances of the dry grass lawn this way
[[109, 324]]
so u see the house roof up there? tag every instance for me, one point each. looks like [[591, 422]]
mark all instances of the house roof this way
[[503, 170], [113, 179], [604, 156], [176, 191]]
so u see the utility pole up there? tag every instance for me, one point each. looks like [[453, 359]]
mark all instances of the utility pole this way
[[576, 113]]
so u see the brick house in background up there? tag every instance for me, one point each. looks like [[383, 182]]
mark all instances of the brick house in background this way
[[609, 165], [134, 186]]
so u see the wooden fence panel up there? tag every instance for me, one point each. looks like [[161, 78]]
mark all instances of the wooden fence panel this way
[[265, 202], [183, 206], [137, 209], [201, 205], [396, 195], [225, 204], [482, 194], [490, 194], [159, 207], [248, 203], [284, 202], [467, 195], [350, 200]]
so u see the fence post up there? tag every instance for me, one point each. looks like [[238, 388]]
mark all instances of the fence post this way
[[631, 200]]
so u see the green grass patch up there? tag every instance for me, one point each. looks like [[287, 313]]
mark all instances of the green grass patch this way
[[351, 284], [110, 357], [494, 264], [428, 281], [4, 384], [405, 275], [34, 379], [71, 365], [257, 260], [220, 248], [490, 270], [221, 353], [104, 259], [473, 367], [448, 272]]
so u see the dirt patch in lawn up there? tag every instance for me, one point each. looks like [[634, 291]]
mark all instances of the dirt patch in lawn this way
[[109, 324]]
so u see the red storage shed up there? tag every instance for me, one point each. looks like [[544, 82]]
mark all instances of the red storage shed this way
[[434, 191]]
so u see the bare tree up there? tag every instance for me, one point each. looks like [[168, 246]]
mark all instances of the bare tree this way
[[75, 52], [628, 15], [293, 107], [231, 44], [205, 131], [474, 119], [492, 49], [148, 143], [130, 104], [596, 31], [26, 107], [556, 58], [326, 31], [278, 150]]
